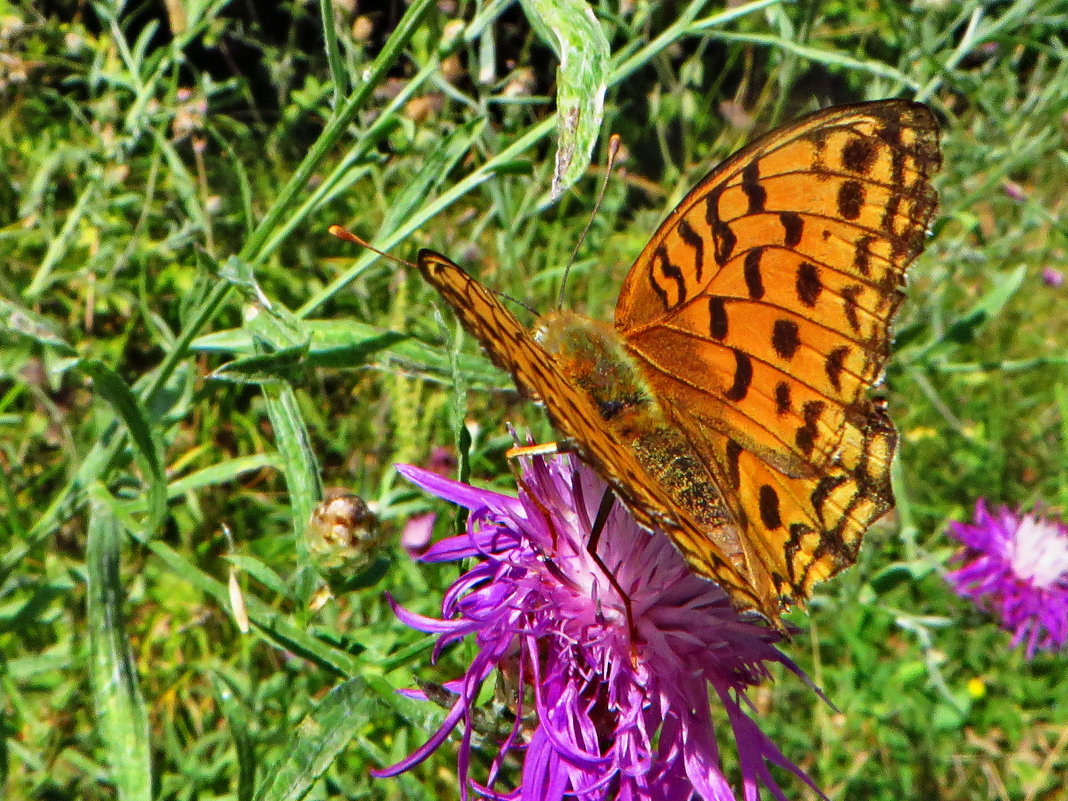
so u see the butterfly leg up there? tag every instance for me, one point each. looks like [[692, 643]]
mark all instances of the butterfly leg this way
[[608, 500]]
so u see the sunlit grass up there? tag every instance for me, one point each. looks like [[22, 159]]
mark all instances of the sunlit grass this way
[[161, 222]]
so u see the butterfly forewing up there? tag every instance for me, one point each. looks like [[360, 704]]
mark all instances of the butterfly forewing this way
[[536, 374], [777, 277]]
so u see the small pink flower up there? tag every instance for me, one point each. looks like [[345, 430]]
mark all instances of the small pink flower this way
[[1013, 190], [415, 538], [1052, 277], [1016, 566]]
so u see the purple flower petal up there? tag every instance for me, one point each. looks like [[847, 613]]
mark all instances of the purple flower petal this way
[[461, 494], [1052, 277]]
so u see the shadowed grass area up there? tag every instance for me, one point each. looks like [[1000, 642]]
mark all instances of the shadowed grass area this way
[[187, 359]]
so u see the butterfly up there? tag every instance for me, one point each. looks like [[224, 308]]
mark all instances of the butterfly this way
[[728, 404]]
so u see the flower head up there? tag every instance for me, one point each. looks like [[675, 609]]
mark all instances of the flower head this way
[[1016, 566], [615, 651], [1052, 277]]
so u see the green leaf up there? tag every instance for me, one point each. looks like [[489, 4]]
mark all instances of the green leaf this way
[[280, 340], [281, 214], [30, 327], [122, 719], [275, 625], [301, 470], [433, 172], [570, 28], [110, 386], [261, 572], [221, 473], [345, 343], [284, 364], [965, 329]]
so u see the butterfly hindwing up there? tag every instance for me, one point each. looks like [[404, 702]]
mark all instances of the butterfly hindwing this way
[[805, 530]]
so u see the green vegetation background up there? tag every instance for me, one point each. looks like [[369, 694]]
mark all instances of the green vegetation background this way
[[187, 359]]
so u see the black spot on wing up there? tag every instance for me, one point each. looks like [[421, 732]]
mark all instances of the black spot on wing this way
[[785, 338], [834, 365], [808, 283], [782, 398], [743, 376], [851, 196], [717, 318], [850, 306], [805, 436], [723, 238], [769, 508], [859, 155], [756, 194], [754, 283], [695, 241], [669, 271], [792, 228], [862, 256]]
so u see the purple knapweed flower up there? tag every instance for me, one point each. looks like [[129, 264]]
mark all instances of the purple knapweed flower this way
[[1016, 566], [614, 654]]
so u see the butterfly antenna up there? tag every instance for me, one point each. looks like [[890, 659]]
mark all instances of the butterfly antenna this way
[[614, 143], [348, 236], [516, 301]]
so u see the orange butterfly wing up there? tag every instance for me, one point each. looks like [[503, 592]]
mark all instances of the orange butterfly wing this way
[[777, 278], [573, 414]]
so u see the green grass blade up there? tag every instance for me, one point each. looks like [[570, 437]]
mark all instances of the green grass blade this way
[[220, 473], [319, 738], [60, 244], [240, 727], [28, 326], [344, 343], [345, 172], [335, 129], [476, 177], [274, 624], [333, 50], [122, 719], [826, 57], [966, 328], [301, 470], [684, 25]]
